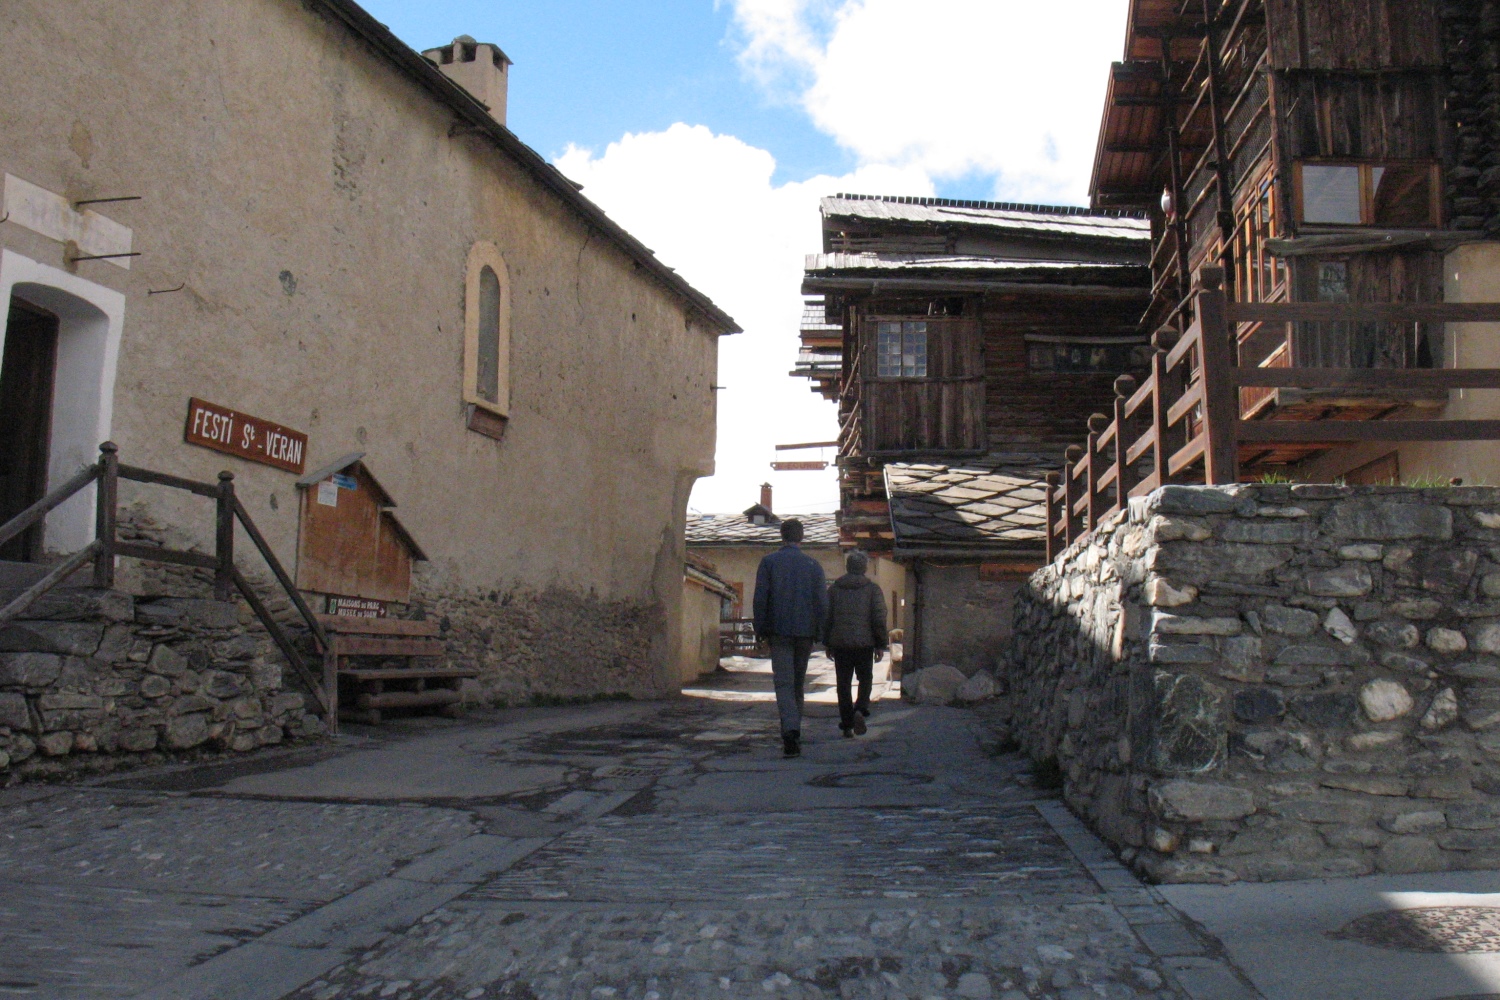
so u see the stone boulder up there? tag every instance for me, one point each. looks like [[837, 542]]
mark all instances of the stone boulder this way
[[938, 685], [981, 687]]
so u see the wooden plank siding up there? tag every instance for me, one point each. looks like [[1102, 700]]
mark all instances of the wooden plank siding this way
[[943, 412], [1392, 116], [1353, 34], [1026, 410]]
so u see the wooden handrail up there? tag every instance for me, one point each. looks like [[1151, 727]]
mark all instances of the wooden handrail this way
[[106, 547], [1365, 378], [31, 515]]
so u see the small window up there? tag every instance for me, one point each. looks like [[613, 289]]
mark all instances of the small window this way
[[902, 349], [488, 382], [1390, 195], [486, 387]]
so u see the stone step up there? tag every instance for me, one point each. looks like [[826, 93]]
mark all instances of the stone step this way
[[17, 576]]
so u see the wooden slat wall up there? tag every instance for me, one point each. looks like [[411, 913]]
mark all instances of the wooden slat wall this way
[[1392, 116], [1414, 276], [1353, 34], [1027, 410]]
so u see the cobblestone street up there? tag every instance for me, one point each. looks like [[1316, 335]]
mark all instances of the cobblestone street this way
[[645, 851]]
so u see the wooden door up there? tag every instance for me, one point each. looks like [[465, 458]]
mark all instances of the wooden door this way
[[26, 376]]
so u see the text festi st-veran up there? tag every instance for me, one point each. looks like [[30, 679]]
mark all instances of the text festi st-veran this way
[[222, 429]]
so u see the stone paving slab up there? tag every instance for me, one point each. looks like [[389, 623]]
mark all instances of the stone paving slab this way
[[283, 850], [1258, 922], [927, 853]]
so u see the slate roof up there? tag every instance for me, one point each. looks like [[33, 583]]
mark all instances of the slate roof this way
[[734, 529], [995, 503], [1055, 219]]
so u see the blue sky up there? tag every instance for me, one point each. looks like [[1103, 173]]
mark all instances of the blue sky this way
[[718, 124]]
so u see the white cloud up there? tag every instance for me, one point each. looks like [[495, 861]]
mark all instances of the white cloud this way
[[707, 205], [1007, 88]]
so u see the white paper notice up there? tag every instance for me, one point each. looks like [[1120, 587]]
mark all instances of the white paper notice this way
[[328, 493]]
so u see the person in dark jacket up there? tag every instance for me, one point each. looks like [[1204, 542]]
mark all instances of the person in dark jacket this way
[[856, 629], [791, 606]]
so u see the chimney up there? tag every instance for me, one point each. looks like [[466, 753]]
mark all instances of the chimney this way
[[765, 497], [478, 67]]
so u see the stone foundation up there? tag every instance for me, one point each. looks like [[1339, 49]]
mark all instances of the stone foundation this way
[[556, 644], [1267, 682], [93, 680]]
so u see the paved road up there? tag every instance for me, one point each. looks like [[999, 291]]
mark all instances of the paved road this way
[[643, 851]]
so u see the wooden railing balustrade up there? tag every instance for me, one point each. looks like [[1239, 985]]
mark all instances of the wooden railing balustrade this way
[[106, 547], [1183, 423]]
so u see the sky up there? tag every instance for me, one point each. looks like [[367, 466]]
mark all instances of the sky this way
[[710, 128]]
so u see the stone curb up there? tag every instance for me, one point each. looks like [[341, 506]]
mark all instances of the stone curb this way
[[1194, 960]]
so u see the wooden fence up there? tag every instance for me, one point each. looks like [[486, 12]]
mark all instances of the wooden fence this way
[[1183, 424], [106, 547]]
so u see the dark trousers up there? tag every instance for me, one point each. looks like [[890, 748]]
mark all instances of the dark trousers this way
[[848, 663], [789, 674]]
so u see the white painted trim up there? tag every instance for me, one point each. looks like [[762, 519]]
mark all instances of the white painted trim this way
[[54, 216], [92, 319]]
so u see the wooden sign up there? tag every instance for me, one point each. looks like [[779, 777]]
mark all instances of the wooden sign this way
[[239, 434], [799, 466]]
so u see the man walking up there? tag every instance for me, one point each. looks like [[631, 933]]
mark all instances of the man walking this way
[[856, 629], [791, 606]]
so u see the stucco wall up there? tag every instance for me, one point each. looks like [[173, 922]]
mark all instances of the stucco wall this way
[[699, 651], [962, 621], [736, 564], [318, 215]]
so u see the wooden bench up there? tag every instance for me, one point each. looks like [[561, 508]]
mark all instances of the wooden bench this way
[[367, 691]]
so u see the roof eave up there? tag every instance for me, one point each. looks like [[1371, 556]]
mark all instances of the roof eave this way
[[475, 114]]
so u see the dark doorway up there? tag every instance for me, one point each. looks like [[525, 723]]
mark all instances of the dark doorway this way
[[26, 373]]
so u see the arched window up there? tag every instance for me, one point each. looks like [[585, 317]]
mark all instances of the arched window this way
[[487, 384], [487, 340]]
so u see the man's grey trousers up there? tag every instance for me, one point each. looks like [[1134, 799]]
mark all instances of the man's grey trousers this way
[[789, 671]]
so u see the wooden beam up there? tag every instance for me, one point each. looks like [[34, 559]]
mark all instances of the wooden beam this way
[[1363, 312], [1339, 431], [1367, 378]]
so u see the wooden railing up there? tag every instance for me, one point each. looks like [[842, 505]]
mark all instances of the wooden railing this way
[[1183, 423], [106, 547]]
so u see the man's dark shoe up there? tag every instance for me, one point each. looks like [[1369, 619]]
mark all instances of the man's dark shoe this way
[[859, 725], [863, 711], [791, 745], [847, 731]]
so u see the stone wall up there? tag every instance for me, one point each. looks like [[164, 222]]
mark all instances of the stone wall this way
[[92, 680], [1267, 681]]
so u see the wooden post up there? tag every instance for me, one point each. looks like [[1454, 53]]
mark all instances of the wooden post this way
[[1220, 397], [1097, 424], [1222, 177], [105, 511], [1161, 401], [1125, 387], [1070, 492], [224, 539], [1052, 479], [1178, 221]]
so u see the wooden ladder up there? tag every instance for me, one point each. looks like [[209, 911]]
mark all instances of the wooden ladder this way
[[368, 691]]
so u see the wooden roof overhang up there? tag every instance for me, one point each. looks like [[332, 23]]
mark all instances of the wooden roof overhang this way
[[1112, 281], [1130, 158]]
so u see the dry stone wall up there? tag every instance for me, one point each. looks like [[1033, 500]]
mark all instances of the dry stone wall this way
[[1268, 681], [93, 679]]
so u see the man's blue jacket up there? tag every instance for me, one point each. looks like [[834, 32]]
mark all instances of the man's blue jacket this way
[[791, 597]]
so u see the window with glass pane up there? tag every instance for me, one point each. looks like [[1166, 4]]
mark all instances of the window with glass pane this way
[[1393, 195], [901, 349], [1402, 196], [1330, 193], [489, 336]]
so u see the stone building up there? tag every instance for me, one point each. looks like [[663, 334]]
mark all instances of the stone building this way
[[297, 217], [966, 344]]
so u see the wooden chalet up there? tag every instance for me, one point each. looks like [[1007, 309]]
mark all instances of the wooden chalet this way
[[1317, 151], [966, 344]]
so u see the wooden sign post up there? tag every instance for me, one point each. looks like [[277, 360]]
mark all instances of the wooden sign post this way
[[222, 429]]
